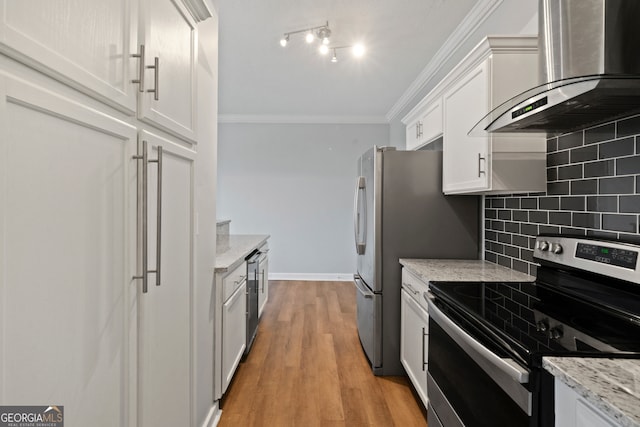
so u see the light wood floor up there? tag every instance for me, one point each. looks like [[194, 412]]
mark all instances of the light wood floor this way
[[307, 368]]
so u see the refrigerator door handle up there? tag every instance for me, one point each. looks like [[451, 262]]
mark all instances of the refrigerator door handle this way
[[360, 245], [361, 287]]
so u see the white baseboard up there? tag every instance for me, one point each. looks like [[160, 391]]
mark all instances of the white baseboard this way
[[316, 277], [213, 418]]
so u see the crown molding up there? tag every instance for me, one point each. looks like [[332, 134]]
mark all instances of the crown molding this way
[[300, 119], [201, 10], [480, 12]]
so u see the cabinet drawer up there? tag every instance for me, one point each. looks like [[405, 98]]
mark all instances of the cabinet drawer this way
[[415, 287], [233, 280]]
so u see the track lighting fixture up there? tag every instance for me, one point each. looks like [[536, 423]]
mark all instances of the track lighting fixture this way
[[322, 33]]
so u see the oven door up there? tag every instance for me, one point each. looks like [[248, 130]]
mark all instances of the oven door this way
[[470, 380]]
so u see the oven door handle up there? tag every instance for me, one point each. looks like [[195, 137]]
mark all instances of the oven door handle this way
[[505, 372]]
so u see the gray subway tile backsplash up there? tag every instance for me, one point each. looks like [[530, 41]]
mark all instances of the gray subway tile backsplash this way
[[593, 189], [600, 133]]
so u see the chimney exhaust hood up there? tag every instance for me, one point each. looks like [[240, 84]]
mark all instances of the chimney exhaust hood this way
[[589, 55]]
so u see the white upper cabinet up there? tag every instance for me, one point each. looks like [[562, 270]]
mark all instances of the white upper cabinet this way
[[95, 47], [85, 43], [426, 127], [169, 36], [497, 69]]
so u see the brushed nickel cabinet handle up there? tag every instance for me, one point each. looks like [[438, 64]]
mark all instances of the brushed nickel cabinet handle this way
[[142, 206], [156, 76], [140, 79], [424, 363], [158, 217], [480, 159]]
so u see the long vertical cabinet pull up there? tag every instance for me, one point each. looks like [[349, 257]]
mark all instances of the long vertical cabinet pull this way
[[142, 205], [158, 217], [140, 79], [143, 218]]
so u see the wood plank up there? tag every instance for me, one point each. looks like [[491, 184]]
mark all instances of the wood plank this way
[[307, 368]]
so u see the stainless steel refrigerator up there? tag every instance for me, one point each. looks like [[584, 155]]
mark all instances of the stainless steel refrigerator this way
[[401, 212]]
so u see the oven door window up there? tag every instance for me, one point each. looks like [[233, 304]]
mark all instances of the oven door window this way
[[473, 395]]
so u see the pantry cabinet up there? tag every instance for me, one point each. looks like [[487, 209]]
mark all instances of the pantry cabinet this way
[[164, 322], [67, 209], [84, 215]]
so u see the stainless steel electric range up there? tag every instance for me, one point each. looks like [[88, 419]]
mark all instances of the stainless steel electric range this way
[[487, 339]]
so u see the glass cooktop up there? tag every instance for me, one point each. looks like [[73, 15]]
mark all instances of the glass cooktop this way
[[535, 319]]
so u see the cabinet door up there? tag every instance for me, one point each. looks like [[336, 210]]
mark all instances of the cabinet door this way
[[234, 333], [165, 328], [263, 283], [466, 162], [85, 43], [67, 205], [414, 343], [169, 33]]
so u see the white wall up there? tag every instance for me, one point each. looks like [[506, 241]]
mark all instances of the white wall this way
[[295, 182]]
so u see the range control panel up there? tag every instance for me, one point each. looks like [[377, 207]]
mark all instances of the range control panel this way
[[614, 259], [607, 255]]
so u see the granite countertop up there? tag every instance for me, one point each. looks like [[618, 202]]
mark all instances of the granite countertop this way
[[235, 249], [462, 270], [611, 385]]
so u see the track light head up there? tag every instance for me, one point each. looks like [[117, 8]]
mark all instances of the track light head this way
[[334, 58], [323, 34], [284, 40]]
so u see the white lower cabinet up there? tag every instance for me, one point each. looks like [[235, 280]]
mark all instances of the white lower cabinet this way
[[234, 332], [572, 410], [414, 333]]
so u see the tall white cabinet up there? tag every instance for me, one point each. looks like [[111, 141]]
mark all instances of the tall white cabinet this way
[[72, 211]]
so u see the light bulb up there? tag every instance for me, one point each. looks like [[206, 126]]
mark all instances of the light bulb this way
[[325, 41], [358, 50], [284, 40], [324, 49], [335, 58], [309, 37]]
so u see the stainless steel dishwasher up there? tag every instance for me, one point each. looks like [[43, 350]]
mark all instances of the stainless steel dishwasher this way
[[252, 297]]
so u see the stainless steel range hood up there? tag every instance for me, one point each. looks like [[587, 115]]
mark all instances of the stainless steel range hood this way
[[589, 55]]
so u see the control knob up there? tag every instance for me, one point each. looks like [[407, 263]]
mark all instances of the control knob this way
[[556, 248], [555, 333], [543, 245], [542, 326]]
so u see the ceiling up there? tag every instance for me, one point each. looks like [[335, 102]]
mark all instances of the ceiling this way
[[259, 78]]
